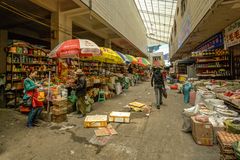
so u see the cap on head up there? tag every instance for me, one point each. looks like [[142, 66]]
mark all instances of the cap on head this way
[[79, 72]]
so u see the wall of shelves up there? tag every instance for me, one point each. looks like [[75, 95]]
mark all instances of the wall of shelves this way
[[213, 64], [22, 58]]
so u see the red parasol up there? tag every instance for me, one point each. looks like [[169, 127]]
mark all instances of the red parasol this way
[[75, 48]]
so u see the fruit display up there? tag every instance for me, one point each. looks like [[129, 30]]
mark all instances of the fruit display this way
[[233, 95], [211, 64]]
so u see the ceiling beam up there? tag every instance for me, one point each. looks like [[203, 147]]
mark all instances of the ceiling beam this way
[[158, 14], [113, 36], [50, 5], [76, 12], [79, 3], [99, 26], [161, 24], [71, 11], [150, 37], [86, 24]]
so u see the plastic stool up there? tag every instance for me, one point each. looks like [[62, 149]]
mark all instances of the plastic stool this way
[[101, 96], [126, 83]]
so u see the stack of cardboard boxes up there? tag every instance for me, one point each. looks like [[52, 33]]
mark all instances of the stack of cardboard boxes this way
[[59, 110]]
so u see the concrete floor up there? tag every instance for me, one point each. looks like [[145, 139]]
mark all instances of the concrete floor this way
[[158, 137]]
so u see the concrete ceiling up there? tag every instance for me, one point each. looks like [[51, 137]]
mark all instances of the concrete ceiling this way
[[86, 24], [222, 14]]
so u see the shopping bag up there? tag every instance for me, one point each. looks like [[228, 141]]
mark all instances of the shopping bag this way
[[27, 102], [164, 93], [41, 96], [24, 109]]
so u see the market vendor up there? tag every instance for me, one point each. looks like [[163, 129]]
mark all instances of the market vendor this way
[[31, 98], [81, 90]]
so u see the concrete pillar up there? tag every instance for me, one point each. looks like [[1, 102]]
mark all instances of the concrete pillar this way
[[108, 43], [3, 54], [61, 28]]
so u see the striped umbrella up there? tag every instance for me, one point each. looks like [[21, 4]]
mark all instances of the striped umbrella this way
[[75, 48], [132, 59], [125, 59], [143, 61]]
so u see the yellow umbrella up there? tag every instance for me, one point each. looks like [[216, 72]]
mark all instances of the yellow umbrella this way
[[107, 56]]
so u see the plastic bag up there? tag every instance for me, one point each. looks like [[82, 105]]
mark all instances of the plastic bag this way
[[164, 93], [186, 127], [191, 111]]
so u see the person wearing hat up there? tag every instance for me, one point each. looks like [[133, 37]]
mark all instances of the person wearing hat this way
[[158, 83], [81, 90]]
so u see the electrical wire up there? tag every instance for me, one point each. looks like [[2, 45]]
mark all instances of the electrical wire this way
[[24, 12]]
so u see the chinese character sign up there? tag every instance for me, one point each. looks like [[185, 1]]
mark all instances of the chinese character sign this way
[[232, 34]]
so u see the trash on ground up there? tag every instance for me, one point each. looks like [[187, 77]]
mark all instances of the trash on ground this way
[[63, 128], [95, 121], [72, 152], [136, 104], [123, 117], [101, 141], [109, 130]]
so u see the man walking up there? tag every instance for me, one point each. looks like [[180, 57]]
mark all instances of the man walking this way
[[158, 81]]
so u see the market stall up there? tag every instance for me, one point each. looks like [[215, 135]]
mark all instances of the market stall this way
[[215, 114], [22, 57]]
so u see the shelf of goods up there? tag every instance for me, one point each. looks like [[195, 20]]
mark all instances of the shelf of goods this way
[[236, 60], [182, 68], [213, 64], [21, 59]]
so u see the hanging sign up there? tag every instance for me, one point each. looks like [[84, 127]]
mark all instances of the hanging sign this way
[[232, 34], [214, 42]]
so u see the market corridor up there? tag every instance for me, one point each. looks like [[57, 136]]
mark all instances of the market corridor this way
[[158, 137]]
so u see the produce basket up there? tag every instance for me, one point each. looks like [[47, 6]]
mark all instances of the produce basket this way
[[231, 127]]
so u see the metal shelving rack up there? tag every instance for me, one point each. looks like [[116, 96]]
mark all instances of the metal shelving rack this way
[[22, 58]]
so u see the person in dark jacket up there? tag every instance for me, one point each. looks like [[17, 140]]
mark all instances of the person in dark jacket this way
[[81, 90], [158, 83], [130, 69]]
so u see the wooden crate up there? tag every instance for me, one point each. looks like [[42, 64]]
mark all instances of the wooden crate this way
[[122, 117], [226, 140], [92, 121]]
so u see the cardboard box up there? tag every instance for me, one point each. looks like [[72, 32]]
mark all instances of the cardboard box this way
[[202, 132], [92, 121], [59, 111], [123, 117], [136, 104]]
